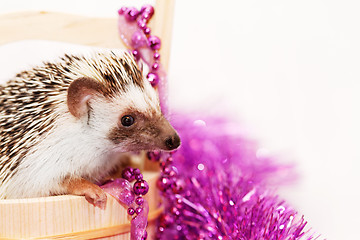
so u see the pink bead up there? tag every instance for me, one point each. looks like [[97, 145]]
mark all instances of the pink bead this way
[[175, 211], [178, 186], [166, 170], [153, 78], [127, 174], [179, 201], [169, 169], [147, 12], [147, 8], [166, 220], [136, 171], [138, 210], [139, 176], [156, 55], [146, 16], [131, 211], [122, 10], [147, 30], [154, 42], [141, 23], [139, 200], [136, 54], [163, 164], [163, 183], [141, 187], [154, 155], [131, 14], [155, 66]]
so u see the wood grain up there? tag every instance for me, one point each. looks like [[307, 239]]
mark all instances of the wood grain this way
[[70, 217], [59, 27], [97, 32]]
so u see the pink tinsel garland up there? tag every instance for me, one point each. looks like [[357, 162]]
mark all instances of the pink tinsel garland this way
[[217, 187]]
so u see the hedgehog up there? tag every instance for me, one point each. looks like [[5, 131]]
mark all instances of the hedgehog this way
[[65, 124]]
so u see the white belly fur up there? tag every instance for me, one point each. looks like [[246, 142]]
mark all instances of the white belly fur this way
[[68, 151]]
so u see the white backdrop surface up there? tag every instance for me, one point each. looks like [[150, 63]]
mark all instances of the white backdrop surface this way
[[288, 69]]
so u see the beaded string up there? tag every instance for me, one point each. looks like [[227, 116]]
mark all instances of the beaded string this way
[[135, 33], [133, 198], [146, 47], [140, 188], [170, 185], [142, 39]]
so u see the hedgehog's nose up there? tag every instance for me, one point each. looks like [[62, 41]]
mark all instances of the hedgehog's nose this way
[[172, 142]]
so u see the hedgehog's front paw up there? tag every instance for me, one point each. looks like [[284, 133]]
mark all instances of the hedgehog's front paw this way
[[80, 186], [96, 196]]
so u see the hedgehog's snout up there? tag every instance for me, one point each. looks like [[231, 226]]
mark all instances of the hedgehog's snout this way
[[172, 142]]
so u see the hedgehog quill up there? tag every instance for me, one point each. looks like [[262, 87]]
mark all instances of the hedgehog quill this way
[[63, 125]]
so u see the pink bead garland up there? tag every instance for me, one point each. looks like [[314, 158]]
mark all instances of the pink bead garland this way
[[142, 38], [136, 34], [133, 198]]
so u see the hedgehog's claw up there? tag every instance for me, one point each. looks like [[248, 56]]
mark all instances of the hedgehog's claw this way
[[97, 197]]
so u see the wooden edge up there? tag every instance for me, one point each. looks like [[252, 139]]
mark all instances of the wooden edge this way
[[61, 27], [27, 218], [100, 233], [162, 25], [90, 31]]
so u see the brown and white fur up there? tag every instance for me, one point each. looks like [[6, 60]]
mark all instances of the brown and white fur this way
[[60, 125]]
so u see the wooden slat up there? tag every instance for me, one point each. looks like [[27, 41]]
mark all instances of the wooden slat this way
[[62, 217], [99, 32], [161, 25]]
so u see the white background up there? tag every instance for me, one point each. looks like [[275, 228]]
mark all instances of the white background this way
[[289, 70]]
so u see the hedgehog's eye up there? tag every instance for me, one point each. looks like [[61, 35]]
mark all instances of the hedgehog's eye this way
[[127, 120]]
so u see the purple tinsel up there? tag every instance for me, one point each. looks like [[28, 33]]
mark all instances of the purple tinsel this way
[[215, 187]]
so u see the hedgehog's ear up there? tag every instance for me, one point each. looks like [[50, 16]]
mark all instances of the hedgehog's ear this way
[[80, 92]]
